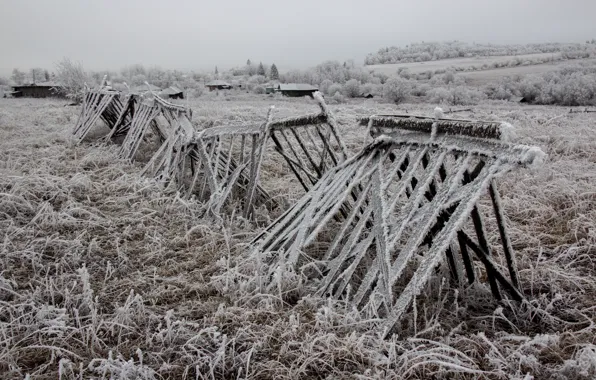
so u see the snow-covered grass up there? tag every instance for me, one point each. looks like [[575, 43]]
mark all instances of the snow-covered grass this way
[[103, 275]]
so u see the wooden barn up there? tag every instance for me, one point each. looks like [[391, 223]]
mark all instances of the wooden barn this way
[[518, 99], [38, 90], [218, 85], [297, 89], [172, 92]]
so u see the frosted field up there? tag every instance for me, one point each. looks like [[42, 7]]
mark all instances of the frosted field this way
[[484, 77], [443, 64], [104, 275]]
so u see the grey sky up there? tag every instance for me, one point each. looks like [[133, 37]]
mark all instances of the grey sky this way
[[199, 34]]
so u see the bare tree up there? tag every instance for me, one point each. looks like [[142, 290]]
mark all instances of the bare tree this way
[[17, 76], [72, 77], [37, 75]]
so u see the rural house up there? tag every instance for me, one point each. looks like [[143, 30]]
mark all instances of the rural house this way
[[172, 92], [218, 85], [297, 89], [518, 99], [38, 90]]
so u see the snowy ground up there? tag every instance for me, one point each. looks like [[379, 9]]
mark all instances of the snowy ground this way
[[104, 274]]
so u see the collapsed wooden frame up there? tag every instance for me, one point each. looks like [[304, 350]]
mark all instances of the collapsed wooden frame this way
[[383, 124], [101, 104], [218, 162], [228, 160], [166, 119], [172, 125], [309, 144], [412, 200]]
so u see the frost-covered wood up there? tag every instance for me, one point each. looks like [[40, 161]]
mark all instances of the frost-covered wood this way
[[226, 162], [104, 104], [384, 124], [124, 119], [220, 163], [145, 115], [408, 196], [309, 144], [169, 121]]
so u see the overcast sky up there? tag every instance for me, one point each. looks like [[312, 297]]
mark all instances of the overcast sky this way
[[199, 34]]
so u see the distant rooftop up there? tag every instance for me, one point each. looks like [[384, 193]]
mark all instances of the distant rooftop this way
[[218, 82], [40, 84], [172, 90], [296, 87]]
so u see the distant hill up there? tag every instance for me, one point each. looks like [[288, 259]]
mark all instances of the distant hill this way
[[432, 51]]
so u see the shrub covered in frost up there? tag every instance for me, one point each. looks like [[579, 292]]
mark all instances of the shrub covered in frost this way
[[196, 92], [572, 85], [396, 89], [338, 97], [352, 88], [259, 90], [449, 77], [457, 95], [324, 86], [419, 89], [334, 88]]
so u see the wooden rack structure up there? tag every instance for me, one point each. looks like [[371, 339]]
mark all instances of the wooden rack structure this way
[[219, 162], [411, 197]]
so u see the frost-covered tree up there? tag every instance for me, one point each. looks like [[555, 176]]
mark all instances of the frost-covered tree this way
[[216, 71], [37, 75], [449, 77], [274, 74], [458, 95], [396, 89], [425, 51], [338, 97], [261, 69], [257, 79], [138, 80], [72, 77], [132, 70], [324, 86], [404, 73], [46, 75], [352, 88], [250, 68], [334, 88], [17, 76]]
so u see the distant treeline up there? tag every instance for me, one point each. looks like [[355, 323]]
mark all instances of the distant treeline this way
[[432, 51]]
